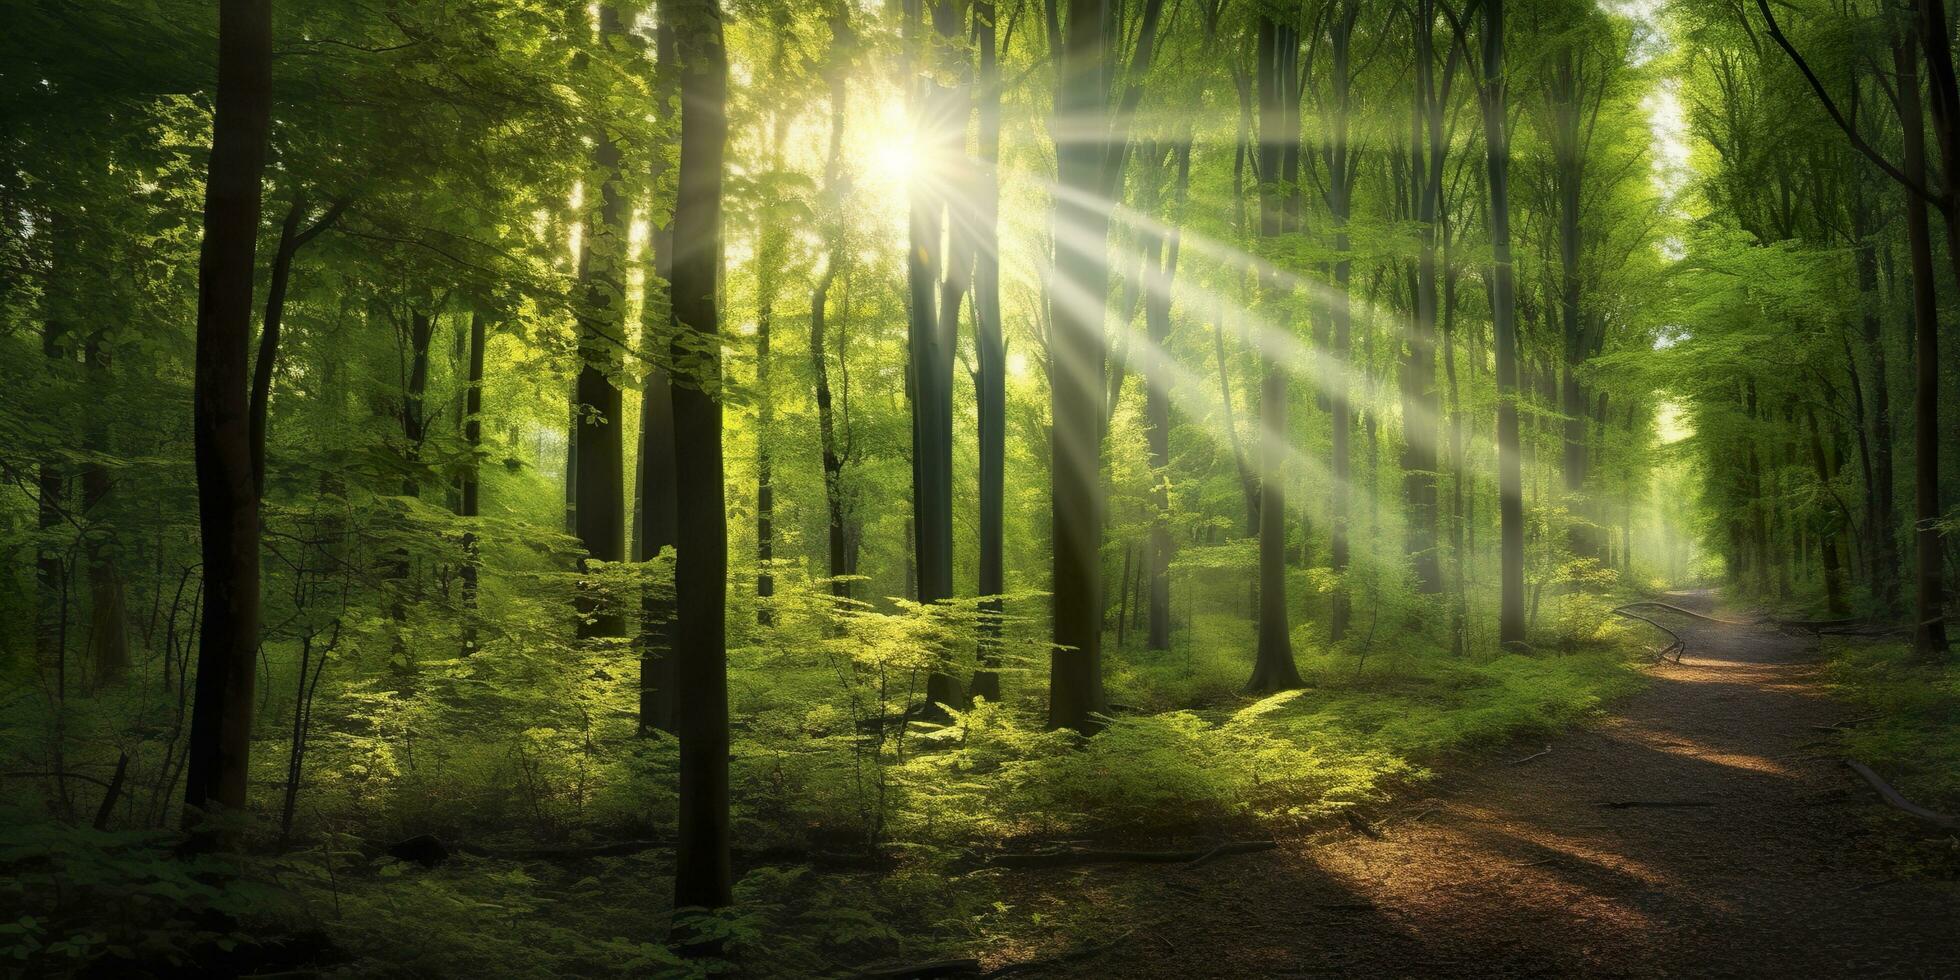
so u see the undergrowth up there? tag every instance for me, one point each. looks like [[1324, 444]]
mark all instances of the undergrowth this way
[[860, 833], [1909, 733]]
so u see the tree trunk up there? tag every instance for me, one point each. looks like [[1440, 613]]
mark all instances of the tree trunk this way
[[1076, 366], [291, 240], [990, 348], [701, 865], [470, 504], [599, 511], [1421, 401], [768, 264], [656, 524], [1833, 579], [1340, 198], [1510, 486], [228, 508], [1162, 275], [1929, 640], [1278, 81], [937, 276]]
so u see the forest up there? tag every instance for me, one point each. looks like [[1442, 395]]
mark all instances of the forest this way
[[959, 488]]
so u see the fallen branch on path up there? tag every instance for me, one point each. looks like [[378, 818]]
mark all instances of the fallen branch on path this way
[[1684, 612], [1679, 647], [937, 968], [1847, 723], [1534, 755], [1088, 855], [1631, 804], [1364, 827], [1893, 797]]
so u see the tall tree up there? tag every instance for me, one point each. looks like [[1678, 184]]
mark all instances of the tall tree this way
[[1339, 157], [656, 525], [228, 510], [470, 499], [1090, 138], [1278, 52], [1160, 273], [938, 263], [990, 346], [599, 470], [841, 530], [1504, 329], [701, 866], [1928, 32]]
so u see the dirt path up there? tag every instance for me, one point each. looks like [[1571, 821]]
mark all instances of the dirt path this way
[[1517, 871]]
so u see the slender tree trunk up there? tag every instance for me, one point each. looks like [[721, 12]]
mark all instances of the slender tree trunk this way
[[1157, 409], [1076, 365], [1277, 76], [656, 525], [1568, 88], [769, 260], [599, 510], [990, 378], [1510, 487], [1421, 401], [470, 503], [51, 491], [1340, 195], [216, 768], [1833, 579], [291, 239], [701, 865], [1929, 639], [937, 275]]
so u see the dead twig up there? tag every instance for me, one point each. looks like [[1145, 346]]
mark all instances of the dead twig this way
[[1679, 647], [1652, 804], [937, 968], [1534, 755]]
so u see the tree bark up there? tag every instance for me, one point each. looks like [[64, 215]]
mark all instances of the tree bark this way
[[291, 239], [599, 510], [469, 502], [228, 508], [1504, 324], [701, 872], [1929, 639], [1076, 365], [1340, 199], [1278, 82], [1161, 271], [1833, 578], [937, 275], [990, 348], [656, 525]]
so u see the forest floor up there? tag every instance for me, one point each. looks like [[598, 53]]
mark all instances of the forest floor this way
[[1738, 845]]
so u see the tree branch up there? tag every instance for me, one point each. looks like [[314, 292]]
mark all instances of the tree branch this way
[[1830, 106]]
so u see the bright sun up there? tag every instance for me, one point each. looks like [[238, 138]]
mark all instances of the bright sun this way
[[895, 158]]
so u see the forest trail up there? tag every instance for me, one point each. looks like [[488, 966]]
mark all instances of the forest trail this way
[[1513, 869]]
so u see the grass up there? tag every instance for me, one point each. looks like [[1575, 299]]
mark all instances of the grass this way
[[1911, 737]]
